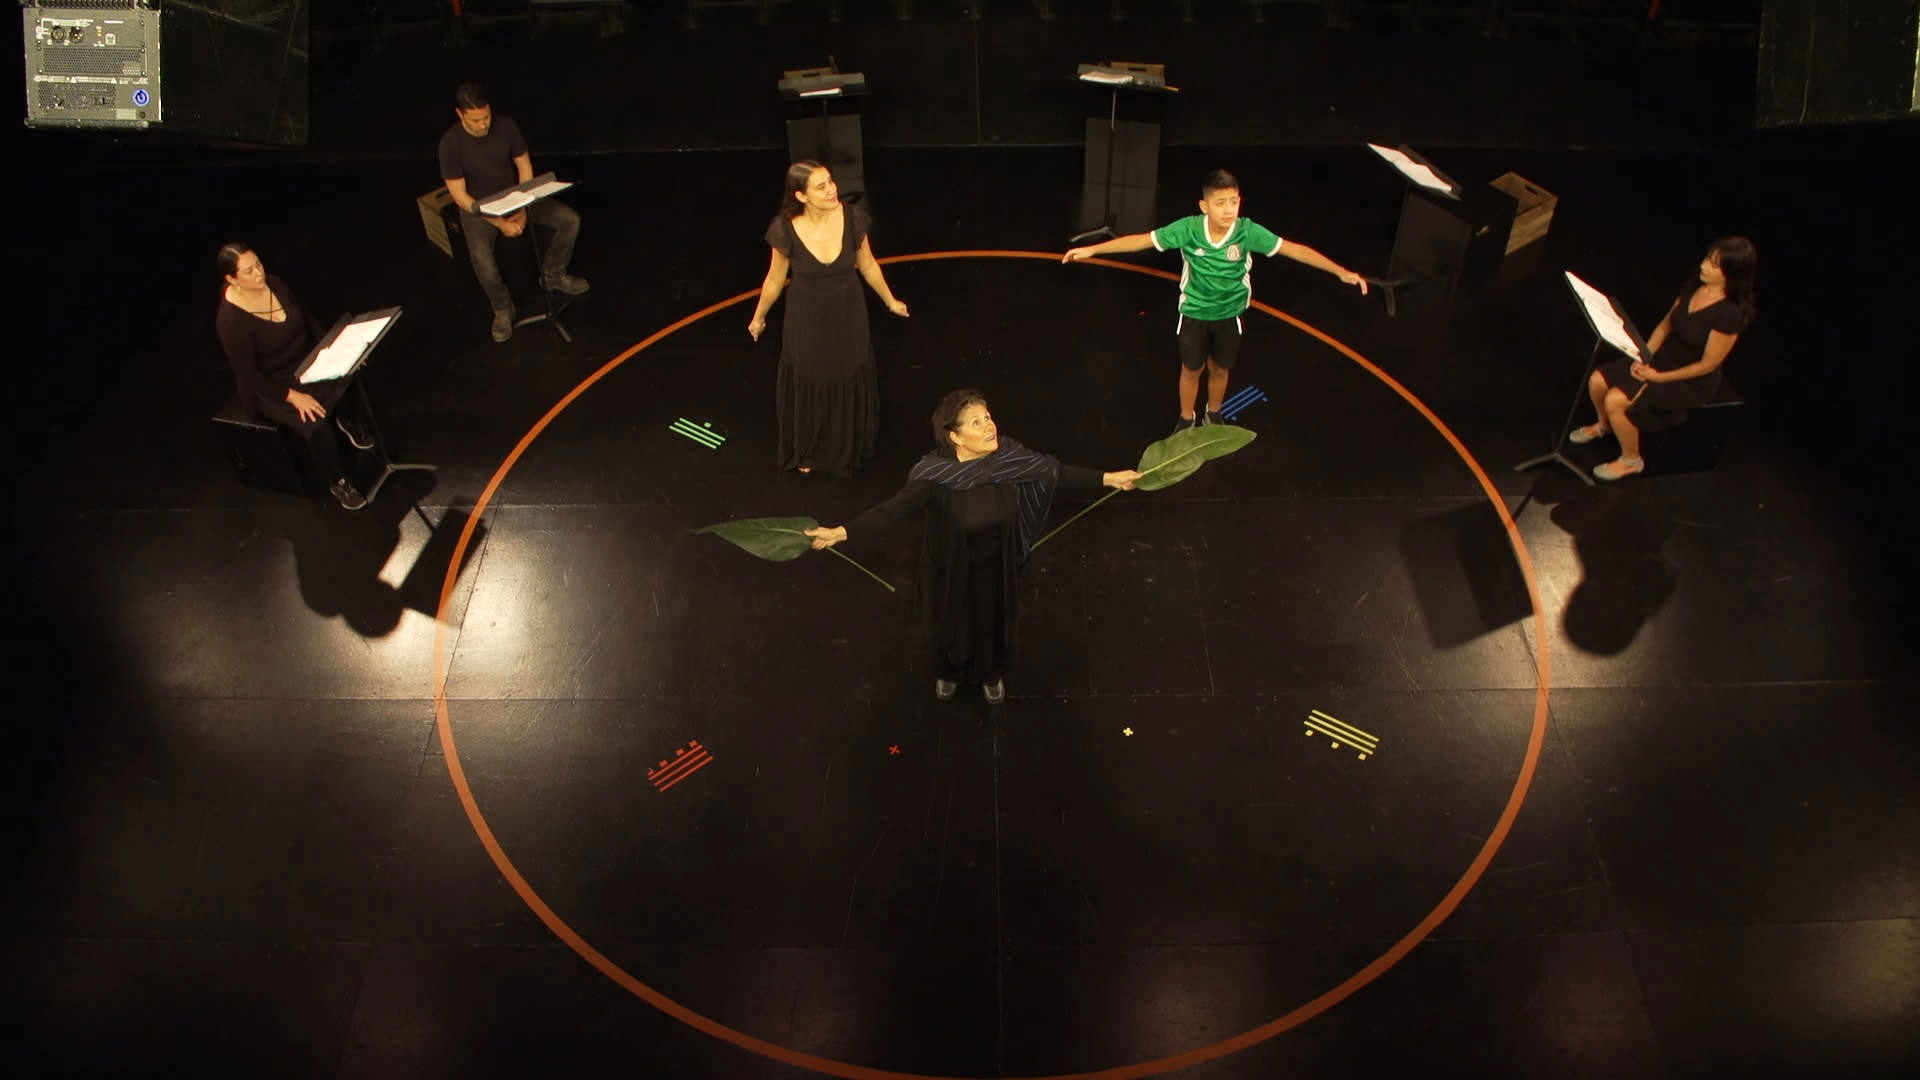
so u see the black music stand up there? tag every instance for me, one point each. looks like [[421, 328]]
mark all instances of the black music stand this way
[[551, 315], [1600, 338], [1107, 164], [1396, 263], [834, 140], [1444, 235], [387, 465]]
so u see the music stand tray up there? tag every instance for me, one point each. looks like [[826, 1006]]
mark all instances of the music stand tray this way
[[540, 187], [390, 316], [1410, 170], [1118, 75], [824, 82], [1590, 302], [834, 141], [1444, 228]]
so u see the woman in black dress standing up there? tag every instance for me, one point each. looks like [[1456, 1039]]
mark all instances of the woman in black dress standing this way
[[985, 500], [1631, 396], [826, 398], [265, 333]]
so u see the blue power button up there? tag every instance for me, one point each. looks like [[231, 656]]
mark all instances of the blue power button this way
[[140, 97]]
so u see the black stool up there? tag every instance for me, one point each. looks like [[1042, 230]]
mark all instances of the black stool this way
[[264, 454], [1699, 440]]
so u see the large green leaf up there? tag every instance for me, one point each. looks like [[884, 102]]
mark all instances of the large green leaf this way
[[1181, 454], [777, 539], [1172, 460]]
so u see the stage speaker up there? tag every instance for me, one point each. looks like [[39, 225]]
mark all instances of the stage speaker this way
[[92, 66], [1838, 61], [235, 71]]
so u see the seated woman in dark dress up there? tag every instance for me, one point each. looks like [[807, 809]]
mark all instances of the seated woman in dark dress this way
[[265, 334], [985, 500], [1631, 396]]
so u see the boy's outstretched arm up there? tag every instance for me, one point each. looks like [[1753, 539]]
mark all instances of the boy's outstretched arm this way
[[1305, 254], [1131, 242]]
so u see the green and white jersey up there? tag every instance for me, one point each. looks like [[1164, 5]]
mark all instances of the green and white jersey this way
[[1216, 280]]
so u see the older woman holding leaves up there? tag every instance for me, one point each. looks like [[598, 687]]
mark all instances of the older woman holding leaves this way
[[985, 500]]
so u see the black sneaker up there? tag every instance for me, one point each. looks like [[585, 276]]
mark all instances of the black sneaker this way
[[360, 437], [1212, 418], [945, 689], [995, 690], [347, 495], [1187, 423]]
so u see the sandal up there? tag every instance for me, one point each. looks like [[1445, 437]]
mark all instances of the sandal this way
[[1581, 436], [1616, 470]]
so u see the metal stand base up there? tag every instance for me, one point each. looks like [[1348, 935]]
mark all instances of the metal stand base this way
[[1389, 290], [387, 466], [1559, 457], [1566, 426], [389, 469], [550, 316], [1105, 230]]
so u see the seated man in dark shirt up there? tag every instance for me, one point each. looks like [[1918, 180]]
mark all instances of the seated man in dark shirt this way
[[483, 154]]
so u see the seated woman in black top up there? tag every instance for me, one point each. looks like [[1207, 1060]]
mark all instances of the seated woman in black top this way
[[985, 501], [1630, 396], [266, 333]]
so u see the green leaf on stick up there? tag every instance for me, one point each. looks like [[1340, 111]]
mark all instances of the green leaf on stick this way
[[1181, 454], [1173, 459], [778, 539]]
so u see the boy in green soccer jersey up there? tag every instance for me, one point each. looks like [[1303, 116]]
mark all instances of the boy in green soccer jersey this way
[[1217, 247]]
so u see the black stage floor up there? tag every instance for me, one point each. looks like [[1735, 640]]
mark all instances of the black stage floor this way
[[1641, 800]]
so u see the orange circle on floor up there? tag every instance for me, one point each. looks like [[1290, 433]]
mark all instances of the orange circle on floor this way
[[1213, 1051]]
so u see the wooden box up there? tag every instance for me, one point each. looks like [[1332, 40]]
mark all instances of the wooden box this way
[[1533, 215], [441, 219]]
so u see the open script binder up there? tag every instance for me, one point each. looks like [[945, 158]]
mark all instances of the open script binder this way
[[1418, 169], [1611, 328], [1610, 324], [521, 195], [342, 350]]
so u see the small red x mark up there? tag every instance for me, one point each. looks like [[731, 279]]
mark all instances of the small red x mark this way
[[893, 749]]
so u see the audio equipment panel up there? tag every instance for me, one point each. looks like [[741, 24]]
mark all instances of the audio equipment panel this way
[[96, 65]]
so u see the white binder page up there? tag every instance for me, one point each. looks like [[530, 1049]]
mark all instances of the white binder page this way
[[1412, 169], [1600, 310], [345, 351]]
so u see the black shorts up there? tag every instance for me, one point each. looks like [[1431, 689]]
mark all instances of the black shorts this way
[[1204, 339]]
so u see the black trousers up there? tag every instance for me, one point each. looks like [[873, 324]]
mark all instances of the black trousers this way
[[481, 237], [322, 437]]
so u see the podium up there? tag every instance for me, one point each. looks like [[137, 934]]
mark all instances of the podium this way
[[342, 353], [816, 130], [1447, 233], [1122, 154], [1611, 329], [509, 201]]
